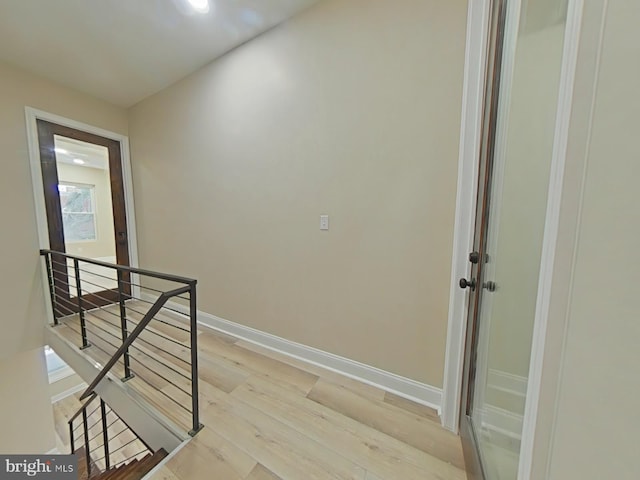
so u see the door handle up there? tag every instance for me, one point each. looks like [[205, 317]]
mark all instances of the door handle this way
[[491, 286], [464, 283], [122, 237]]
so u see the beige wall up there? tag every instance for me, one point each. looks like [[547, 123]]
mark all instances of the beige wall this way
[[26, 415], [20, 285], [24, 395], [588, 423], [104, 245], [351, 109]]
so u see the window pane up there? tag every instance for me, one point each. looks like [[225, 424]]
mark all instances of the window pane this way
[[75, 198], [79, 226]]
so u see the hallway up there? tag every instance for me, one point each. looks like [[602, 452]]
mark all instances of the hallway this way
[[270, 416]]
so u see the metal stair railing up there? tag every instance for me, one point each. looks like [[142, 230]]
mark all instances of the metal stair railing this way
[[142, 323], [103, 437]]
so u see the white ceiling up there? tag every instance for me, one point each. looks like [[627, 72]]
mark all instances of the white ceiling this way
[[82, 154], [125, 50]]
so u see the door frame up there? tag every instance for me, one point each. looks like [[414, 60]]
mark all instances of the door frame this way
[[470, 136], [31, 116]]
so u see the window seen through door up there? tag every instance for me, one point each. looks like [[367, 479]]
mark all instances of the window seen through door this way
[[78, 212]]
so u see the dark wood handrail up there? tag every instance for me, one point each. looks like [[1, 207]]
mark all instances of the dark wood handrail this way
[[155, 308]]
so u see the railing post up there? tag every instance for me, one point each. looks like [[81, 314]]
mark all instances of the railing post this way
[[83, 327], [52, 290], [71, 440], [123, 327], [193, 317], [86, 441], [105, 435]]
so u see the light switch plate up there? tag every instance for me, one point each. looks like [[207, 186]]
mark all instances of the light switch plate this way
[[324, 222]]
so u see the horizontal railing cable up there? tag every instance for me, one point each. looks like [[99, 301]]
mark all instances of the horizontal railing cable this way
[[105, 341], [93, 424], [161, 376], [88, 272], [161, 363], [129, 297], [164, 393], [116, 450], [154, 346], [163, 308], [71, 273], [108, 427], [125, 429], [151, 344], [103, 330], [123, 268], [92, 312]]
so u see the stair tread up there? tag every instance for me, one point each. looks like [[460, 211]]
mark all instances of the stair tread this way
[[82, 464], [135, 469], [124, 470]]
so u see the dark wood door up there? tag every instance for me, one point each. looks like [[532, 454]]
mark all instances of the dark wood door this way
[[99, 293]]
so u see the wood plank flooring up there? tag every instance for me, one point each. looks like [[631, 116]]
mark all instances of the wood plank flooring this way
[[268, 416]]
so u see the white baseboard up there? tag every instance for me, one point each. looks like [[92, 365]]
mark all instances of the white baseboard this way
[[68, 392], [61, 373], [402, 386]]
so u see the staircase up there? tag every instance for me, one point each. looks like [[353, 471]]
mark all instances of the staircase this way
[[138, 328], [133, 470], [105, 445]]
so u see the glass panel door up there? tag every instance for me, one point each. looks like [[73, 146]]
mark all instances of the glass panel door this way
[[511, 215], [84, 188]]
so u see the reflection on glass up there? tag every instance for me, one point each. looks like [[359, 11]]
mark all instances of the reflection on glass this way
[[524, 143], [78, 212], [84, 187]]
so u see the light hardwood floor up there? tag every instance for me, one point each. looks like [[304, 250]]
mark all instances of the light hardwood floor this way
[[268, 416]]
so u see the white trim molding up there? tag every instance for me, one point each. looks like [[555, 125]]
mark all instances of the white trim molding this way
[[470, 139], [405, 387], [565, 102], [78, 388], [60, 374]]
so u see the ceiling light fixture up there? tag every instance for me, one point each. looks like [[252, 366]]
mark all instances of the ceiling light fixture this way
[[78, 161], [200, 6], [61, 150]]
